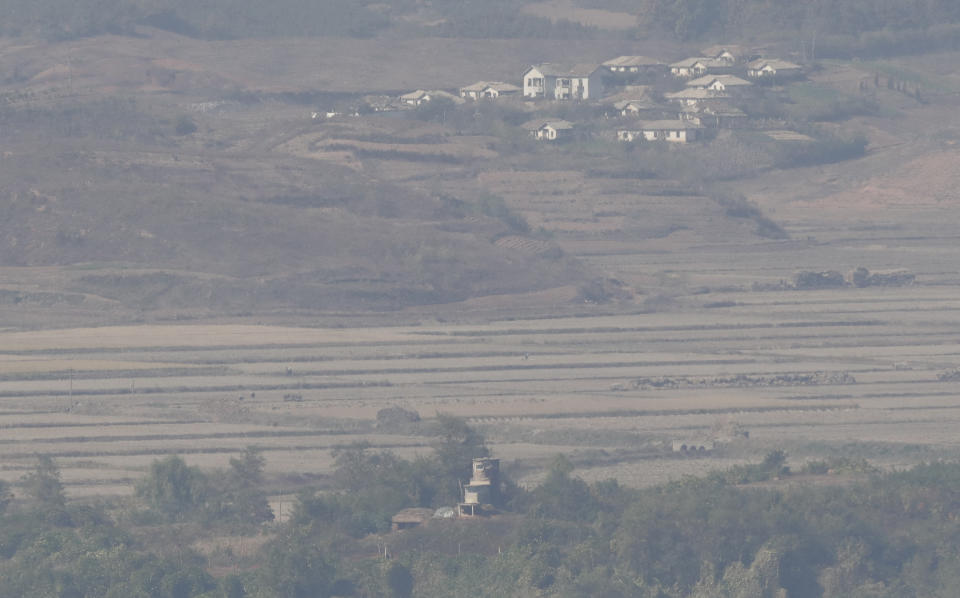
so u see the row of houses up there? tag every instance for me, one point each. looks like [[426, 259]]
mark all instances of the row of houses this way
[[718, 76]]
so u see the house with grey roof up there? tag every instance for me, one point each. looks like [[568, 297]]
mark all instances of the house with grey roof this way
[[698, 66], [415, 98], [496, 89], [634, 64], [692, 96], [546, 129], [719, 83], [731, 53], [716, 116], [771, 68], [489, 89], [555, 81], [674, 131]]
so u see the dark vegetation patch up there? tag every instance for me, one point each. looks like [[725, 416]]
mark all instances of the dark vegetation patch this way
[[738, 206]]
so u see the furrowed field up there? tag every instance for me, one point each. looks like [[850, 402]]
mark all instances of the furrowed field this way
[[853, 372]]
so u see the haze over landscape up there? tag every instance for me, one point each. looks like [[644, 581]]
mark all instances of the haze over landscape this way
[[681, 274]]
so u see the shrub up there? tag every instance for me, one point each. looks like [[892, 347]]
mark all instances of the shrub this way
[[185, 126]]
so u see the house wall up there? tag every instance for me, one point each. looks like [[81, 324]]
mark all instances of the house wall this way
[[534, 83], [674, 136]]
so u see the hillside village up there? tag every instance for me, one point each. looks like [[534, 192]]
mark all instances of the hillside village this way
[[632, 98]]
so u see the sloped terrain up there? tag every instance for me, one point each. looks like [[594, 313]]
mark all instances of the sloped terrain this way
[[162, 176]]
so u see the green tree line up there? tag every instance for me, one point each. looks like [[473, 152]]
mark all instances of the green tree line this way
[[722, 535]]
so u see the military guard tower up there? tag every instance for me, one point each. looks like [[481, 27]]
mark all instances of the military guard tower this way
[[483, 488]]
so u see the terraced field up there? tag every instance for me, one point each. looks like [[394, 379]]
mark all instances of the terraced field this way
[[858, 371]]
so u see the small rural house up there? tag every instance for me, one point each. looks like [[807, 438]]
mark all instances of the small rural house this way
[[634, 64], [771, 68], [697, 67], [498, 88], [549, 129], [675, 131], [488, 89], [415, 98], [562, 82], [715, 116], [719, 83], [473, 91], [632, 100], [695, 97], [731, 54], [377, 103], [636, 108], [408, 518]]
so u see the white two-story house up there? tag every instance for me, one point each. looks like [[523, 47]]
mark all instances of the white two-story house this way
[[562, 82]]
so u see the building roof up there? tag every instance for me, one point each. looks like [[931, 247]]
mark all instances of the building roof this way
[[726, 80], [694, 93], [554, 123], [640, 104], [667, 125], [415, 95], [735, 50], [632, 61], [690, 62], [501, 86], [478, 86], [718, 109], [559, 69], [483, 85], [774, 63]]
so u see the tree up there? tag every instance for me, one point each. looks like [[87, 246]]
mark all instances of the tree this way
[[172, 487], [185, 126], [45, 490], [296, 567], [456, 447], [400, 581], [244, 498], [5, 496], [561, 496]]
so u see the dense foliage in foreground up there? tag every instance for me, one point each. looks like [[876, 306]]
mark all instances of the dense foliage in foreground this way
[[892, 535]]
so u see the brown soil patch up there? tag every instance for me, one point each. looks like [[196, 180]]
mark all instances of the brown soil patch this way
[[929, 181]]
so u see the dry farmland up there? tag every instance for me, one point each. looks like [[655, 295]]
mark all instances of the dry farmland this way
[[703, 340], [861, 372]]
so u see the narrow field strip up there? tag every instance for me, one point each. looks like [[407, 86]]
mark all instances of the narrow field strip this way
[[187, 450], [60, 426], [660, 412], [198, 436], [186, 389], [661, 329]]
